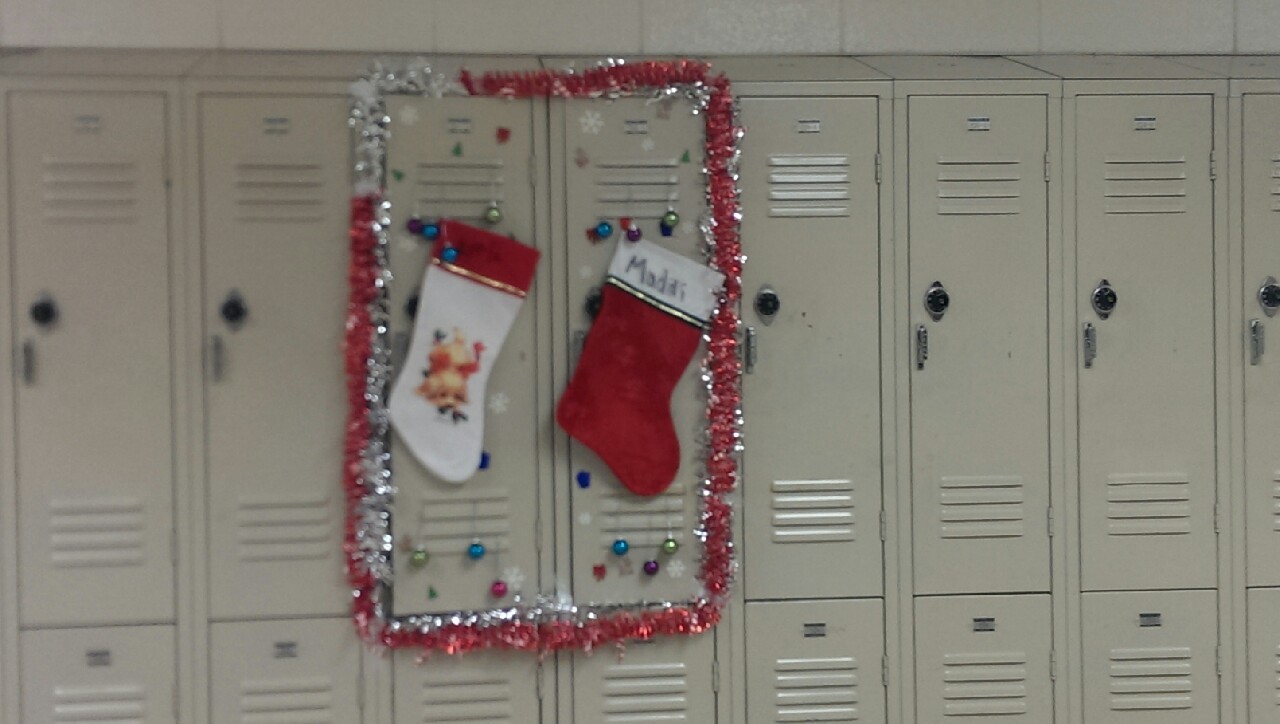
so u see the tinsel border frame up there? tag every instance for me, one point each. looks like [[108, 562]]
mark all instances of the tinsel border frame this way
[[549, 623]]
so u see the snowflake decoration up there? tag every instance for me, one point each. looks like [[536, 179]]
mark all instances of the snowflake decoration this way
[[686, 227], [499, 402], [513, 577], [675, 569], [584, 518], [408, 243], [591, 122], [409, 115], [647, 144], [585, 272]]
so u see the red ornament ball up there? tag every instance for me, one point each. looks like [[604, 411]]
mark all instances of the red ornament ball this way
[[498, 589]]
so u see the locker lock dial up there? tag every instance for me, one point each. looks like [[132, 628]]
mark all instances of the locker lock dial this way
[[936, 301], [767, 303], [1269, 296], [44, 312], [1104, 299], [233, 310]]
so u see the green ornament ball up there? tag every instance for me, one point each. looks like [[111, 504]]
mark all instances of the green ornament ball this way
[[670, 546], [670, 219], [419, 557], [493, 215]]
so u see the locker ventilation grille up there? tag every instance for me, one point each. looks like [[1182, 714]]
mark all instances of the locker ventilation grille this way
[[979, 187], [808, 186], [1150, 679], [120, 703], [642, 188], [1143, 504], [287, 701], [984, 684], [280, 191], [462, 189], [646, 692], [84, 191], [451, 524], [1275, 505], [812, 511], [457, 698], [643, 522], [97, 532], [1275, 182], [284, 527], [981, 506], [1145, 186], [816, 690]]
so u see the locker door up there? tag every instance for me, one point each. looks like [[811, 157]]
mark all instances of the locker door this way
[[978, 311], [1261, 155], [285, 671], [665, 679], [91, 304], [1144, 209], [274, 190], [1264, 655], [1150, 658], [451, 157], [812, 495], [486, 686], [636, 159], [123, 674], [983, 658], [815, 661]]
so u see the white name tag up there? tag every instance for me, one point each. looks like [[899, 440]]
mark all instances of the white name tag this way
[[667, 278]]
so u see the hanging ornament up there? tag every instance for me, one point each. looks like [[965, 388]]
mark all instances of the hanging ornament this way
[[604, 230], [414, 225], [599, 570], [620, 547], [504, 134], [431, 230], [670, 546], [669, 222], [475, 551], [449, 255], [651, 568], [633, 231], [419, 557], [584, 479], [493, 214], [498, 589]]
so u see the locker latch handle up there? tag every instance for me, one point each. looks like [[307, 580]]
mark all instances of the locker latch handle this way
[[922, 346], [1090, 344], [1257, 341], [753, 351]]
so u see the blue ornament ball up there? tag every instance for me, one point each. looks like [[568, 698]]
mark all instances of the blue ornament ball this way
[[450, 254], [475, 551], [431, 231], [621, 546], [604, 230]]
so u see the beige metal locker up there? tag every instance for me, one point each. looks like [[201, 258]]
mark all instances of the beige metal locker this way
[[285, 671], [815, 661], [1260, 157], [89, 175], [984, 658], [636, 159], [812, 495], [978, 300], [1145, 310], [118, 674], [493, 686], [1150, 657], [275, 175], [1264, 655], [457, 157], [669, 679]]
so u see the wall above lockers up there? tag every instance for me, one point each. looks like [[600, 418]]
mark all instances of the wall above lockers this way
[[623, 27]]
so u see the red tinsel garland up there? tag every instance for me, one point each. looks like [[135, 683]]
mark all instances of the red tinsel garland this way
[[722, 408]]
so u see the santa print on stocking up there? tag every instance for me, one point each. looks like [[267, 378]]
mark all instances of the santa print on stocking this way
[[471, 293], [618, 403]]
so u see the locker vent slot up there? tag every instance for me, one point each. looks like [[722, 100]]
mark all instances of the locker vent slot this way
[[979, 186], [987, 684], [1145, 186], [280, 191], [463, 189], [644, 522], [466, 698], [808, 186], [451, 524], [646, 692], [1141, 504], [288, 701], [641, 188], [813, 511], [1150, 679], [284, 527], [1275, 502], [111, 703], [97, 532], [816, 690], [90, 191], [981, 506], [1275, 182]]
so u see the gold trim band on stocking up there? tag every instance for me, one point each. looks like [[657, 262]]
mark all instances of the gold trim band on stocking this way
[[479, 278], [654, 301]]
